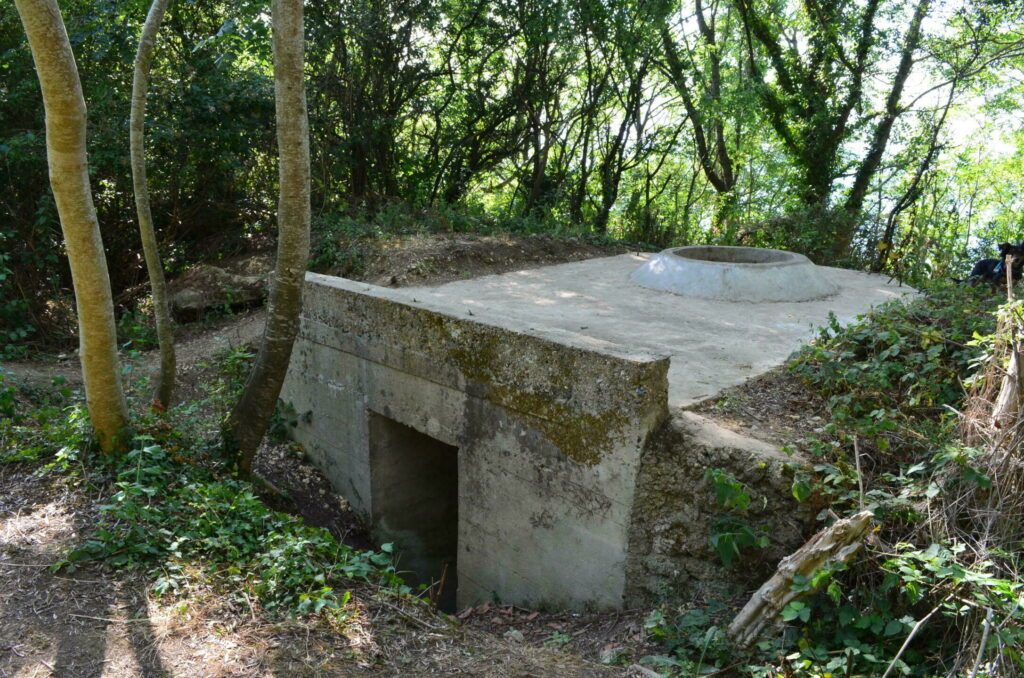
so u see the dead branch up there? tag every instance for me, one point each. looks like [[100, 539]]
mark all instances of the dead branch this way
[[1005, 410], [837, 543]]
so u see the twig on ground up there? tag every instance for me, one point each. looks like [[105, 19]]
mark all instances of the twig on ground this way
[[860, 474], [410, 617], [987, 626], [913, 632], [23, 565], [108, 619]]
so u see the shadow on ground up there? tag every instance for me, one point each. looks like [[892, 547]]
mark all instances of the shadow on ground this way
[[73, 625]]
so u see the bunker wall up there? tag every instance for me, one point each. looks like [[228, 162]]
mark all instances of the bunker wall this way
[[548, 429]]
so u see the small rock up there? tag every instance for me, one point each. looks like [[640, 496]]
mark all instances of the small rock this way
[[515, 635], [612, 655]]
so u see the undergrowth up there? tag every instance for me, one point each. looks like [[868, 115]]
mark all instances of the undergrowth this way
[[343, 241], [893, 383], [188, 522], [174, 508]]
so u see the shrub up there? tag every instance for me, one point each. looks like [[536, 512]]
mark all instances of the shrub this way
[[174, 517]]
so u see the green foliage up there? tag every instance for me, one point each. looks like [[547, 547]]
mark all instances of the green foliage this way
[[860, 626], [730, 494], [558, 639], [732, 535], [694, 637], [892, 383], [52, 430], [174, 509], [342, 241], [179, 520], [208, 140], [899, 369], [416, 117], [888, 381], [15, 320], [136, 331], [8, 404], [812, 231]]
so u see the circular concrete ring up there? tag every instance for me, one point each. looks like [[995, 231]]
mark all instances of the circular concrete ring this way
[[746, 274]]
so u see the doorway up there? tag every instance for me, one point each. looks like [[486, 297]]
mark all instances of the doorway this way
[[414, 485]]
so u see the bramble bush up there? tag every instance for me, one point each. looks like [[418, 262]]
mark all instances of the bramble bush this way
[[893, 382]]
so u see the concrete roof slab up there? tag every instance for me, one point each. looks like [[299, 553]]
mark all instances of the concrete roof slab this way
[[713, 344]]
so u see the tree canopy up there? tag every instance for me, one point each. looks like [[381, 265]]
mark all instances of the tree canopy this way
[[873, 134]]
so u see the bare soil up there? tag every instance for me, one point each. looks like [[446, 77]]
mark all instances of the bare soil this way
[[100, 622], [775, 406], [97, 622]]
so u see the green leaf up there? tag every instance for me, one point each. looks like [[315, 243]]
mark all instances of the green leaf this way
[[795, 609], [801, 489], [893, 627]]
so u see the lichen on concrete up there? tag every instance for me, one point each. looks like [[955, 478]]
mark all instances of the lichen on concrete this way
[[548, 432], [581, 435], [580, 399]]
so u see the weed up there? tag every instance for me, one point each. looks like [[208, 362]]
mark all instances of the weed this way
[[558, 639], [732, 535], [175, 510], [892, 382], [136, 331], [178, 518]]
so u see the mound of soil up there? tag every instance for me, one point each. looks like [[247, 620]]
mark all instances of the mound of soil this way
[[302, 489], [436, 259]]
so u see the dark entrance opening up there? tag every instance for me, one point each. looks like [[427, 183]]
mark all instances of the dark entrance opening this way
[[414, 484]]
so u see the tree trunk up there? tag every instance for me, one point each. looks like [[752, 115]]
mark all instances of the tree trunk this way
[[883, 129], [164, 387], [251, 415], [69, 179]]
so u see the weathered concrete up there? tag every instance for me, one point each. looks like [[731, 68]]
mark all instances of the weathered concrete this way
[[552, 387], [548, 432], [675, 512], [735, 274], [713, 344]]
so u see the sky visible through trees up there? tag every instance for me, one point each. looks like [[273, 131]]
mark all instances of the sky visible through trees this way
[[831, 128]]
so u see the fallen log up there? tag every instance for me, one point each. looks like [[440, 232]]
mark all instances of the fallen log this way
[[837, 543]]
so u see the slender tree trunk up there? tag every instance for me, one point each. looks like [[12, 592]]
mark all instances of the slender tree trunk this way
[[883, 129], [913, 192], [69, 179], [164, 388], [251, 415]]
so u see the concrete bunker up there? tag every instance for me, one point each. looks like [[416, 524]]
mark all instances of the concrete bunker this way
[[416, 478], [552, 405], [748, 274]]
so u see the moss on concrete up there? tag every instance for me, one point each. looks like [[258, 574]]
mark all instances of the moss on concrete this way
[[580, 400], [582, 436]]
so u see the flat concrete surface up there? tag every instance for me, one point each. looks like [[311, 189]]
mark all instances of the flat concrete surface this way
[[713, 344]]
